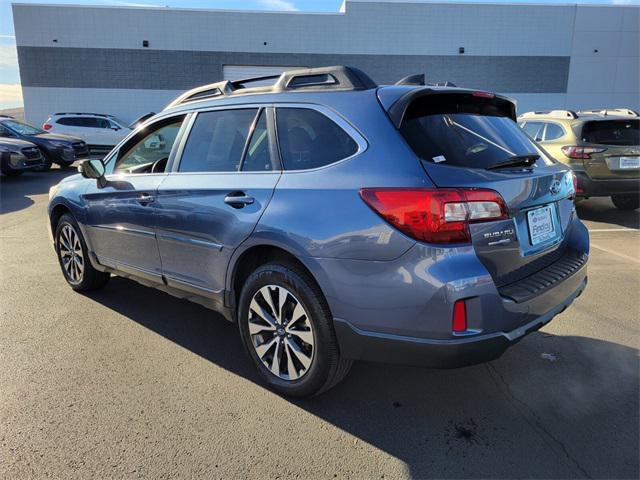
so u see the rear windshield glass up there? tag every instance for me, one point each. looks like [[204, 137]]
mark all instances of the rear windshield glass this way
[[456, 130], [612, 132]]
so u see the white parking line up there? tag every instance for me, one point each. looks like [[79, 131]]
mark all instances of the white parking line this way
[[596, 230], [617, 254]]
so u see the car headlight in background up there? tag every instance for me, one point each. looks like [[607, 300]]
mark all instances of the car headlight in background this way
[[60, 144], [5, 149], [16, 158]]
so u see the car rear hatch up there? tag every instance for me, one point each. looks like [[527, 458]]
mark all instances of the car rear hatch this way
[[469, 140], [611, 148]]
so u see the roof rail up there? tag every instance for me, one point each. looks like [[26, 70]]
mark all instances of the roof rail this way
[[106, 115], [2, 115], [315, 79], [551, 113], [622, 112]]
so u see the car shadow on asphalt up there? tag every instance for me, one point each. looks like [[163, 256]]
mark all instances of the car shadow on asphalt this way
[[15, 191], [602, 210], [551, 407]]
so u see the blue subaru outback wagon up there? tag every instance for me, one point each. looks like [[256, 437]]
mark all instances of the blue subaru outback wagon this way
[[334, 220]]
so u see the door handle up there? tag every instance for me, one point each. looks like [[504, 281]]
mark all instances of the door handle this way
[[238, 199], [145, 199]]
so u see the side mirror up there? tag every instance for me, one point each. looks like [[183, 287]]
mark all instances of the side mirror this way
[[93, 169]]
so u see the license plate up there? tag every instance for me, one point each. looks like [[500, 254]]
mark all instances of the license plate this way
[[629, 163], [541, 226]]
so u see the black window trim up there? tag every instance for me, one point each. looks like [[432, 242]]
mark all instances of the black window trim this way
[[175, 165], [268, 107], [349, 129], [252, 128], [271, 108]]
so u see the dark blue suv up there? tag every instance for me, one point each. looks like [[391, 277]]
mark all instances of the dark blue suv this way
[[335, 220]]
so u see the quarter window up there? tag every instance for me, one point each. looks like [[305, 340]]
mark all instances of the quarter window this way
[[149, 151], [309, 139], [553, 132], [216, 141]]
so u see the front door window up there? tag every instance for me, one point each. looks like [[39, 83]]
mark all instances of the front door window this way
[[149, 152]]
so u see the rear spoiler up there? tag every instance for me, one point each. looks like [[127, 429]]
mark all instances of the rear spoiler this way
[[399, 108]]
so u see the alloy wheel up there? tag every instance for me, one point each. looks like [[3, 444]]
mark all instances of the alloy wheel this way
[[71, 254], [281, 332]]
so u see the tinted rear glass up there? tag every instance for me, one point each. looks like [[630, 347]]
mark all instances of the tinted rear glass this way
[[612, 132], [456, 130], [78, 121]]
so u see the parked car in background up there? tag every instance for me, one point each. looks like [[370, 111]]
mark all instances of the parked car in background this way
[[335, 220], [99, 131], [601, 146], [56, 148], [18, 156]]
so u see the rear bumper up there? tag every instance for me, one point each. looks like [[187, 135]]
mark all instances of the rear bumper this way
[[400, 311], [605, 188], [373, 346]]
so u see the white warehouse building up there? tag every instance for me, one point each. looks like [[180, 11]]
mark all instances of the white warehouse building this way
[[127, 61]]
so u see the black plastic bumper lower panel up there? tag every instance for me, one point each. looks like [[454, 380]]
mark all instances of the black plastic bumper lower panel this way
[[547, 278]]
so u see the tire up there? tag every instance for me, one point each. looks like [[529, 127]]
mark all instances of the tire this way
[[65, 164], [626, 202], [70, 244], [46, 166], [12, 173], [326, 367]]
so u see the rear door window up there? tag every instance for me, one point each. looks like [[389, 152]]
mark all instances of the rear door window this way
[[309, 139], [612, 132], [216, 141], [453, 130], [76, 121], [257, 157], [102, 123]]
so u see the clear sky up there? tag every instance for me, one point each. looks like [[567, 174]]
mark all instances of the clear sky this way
[[10, 92]]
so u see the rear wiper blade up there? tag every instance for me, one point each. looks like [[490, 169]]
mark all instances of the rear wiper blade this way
[[526, 160]]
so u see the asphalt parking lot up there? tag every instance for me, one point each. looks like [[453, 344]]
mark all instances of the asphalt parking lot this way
[[130, 382]]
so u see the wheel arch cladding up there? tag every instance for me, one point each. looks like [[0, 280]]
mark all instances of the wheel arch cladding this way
[[57, 211], [257, 255]]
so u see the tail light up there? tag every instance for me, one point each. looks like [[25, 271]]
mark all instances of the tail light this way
[[47, 126], [574, 177], [436, 215], [576, 187], [580, 153], [459, 321]]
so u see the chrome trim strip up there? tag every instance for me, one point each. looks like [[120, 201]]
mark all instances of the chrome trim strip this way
[[189, 241], [120, 228], [124, 267]]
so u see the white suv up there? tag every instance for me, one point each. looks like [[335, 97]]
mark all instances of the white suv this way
[[100, 131]]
